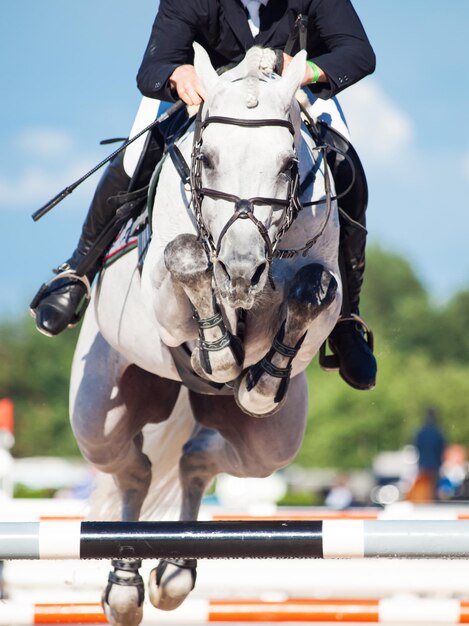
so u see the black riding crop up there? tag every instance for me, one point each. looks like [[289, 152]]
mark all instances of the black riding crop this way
[[68, 190]]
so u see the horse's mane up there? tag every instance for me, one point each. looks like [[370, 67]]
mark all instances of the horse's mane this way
[[260, 65]]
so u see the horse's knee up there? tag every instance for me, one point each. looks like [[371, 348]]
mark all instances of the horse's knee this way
[[186, 259], [196, 462]]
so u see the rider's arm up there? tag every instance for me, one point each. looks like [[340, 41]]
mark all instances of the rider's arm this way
[[315, 75], [169, 47], [346, 55]]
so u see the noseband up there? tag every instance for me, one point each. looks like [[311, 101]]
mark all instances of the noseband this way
[[243, 207]]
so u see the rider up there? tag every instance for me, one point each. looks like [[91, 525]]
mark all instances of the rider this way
[[339, 55]]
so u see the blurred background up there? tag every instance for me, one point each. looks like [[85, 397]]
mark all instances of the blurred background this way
[[68, 81]]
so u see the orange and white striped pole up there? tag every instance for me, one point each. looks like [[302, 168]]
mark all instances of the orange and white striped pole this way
[[58, 510], [194, 612]]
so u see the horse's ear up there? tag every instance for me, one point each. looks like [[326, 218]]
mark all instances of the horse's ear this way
[[204, 69], [293, 77]]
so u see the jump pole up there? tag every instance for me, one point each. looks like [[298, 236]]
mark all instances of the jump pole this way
[[241, 539], [195, 612]]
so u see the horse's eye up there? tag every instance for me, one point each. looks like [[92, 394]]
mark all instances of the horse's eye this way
[[289, 164], [205, 160]]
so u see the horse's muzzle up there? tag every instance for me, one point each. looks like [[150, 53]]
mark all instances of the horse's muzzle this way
[[241, 282]]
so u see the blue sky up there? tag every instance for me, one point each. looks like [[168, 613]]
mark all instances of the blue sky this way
[[67, 73]]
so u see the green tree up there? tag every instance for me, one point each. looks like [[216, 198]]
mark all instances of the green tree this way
[[397, 305], [347, 428], [452, 340], [34, 373]]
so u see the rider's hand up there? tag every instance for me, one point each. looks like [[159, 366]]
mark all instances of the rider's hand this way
[[186, 83], [308, 77]]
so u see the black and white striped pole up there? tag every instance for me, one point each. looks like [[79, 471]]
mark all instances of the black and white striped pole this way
[[235, 539]]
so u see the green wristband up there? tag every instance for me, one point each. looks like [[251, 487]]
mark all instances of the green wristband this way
[[315, 69]]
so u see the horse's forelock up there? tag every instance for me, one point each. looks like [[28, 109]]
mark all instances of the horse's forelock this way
[[260, 64]]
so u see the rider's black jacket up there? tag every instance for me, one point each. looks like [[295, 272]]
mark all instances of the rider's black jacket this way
[[336, 39]]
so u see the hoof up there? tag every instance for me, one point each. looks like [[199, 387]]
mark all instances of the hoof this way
[[121, 610], [263, 389], [258, 401], [171, 582], [122, 600]]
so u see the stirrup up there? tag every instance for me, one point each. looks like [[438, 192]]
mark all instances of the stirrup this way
[[63, 271], [330, 362]]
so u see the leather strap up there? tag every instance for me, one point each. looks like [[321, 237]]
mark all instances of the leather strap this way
[[299, 31]]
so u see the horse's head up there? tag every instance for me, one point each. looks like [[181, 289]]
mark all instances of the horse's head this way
[[244, 168]]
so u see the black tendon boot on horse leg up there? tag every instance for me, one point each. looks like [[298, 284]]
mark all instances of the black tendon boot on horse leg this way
[[61, 302], [351, 341]]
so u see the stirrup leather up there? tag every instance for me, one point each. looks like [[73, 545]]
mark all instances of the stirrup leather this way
[[330, 362]]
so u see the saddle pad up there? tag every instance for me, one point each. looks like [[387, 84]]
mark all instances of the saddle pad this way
[[125, 241]]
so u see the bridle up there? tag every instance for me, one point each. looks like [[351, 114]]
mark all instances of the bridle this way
[[244, 207]]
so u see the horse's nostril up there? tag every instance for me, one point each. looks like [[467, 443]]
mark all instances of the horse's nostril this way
[[225, 269], [257, 274]]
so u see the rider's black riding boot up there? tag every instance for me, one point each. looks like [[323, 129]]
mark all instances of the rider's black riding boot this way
[[61, 302], [351, 341]]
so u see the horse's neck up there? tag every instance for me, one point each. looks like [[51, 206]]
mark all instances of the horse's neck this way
[[311, 219], [172, 214]]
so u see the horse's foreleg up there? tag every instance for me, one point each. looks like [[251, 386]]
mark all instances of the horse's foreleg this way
[[218, 355], [262, 390]]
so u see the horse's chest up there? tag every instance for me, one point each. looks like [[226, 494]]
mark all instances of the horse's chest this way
[[259, 334]]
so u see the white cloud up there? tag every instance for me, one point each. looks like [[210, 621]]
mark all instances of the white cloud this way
[[49, 160], [37, 184], [44, 142], [380, 130]]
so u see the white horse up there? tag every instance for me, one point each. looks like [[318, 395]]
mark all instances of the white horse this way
[[214, 279]]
